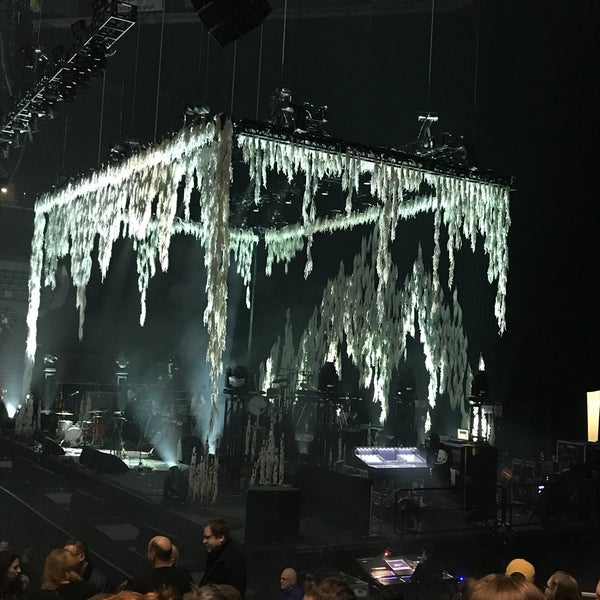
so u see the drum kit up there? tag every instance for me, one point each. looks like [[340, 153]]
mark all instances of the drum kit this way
[[93, 432]]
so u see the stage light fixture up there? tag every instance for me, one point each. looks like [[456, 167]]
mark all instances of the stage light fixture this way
[[593, 415], [237, 377]]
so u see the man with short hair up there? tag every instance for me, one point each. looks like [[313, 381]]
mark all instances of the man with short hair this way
[[225, 561], [162, 572], [79, 550], [288, 583]]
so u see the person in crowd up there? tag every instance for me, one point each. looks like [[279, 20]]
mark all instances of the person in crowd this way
[[330, 588], [229, 591], [79, 550], [13, 585], [522, 566], [561, 586], [205, 592], [501, 587], [61, 580], [174, 554], [288, 582], [225, 561], [162, 573]]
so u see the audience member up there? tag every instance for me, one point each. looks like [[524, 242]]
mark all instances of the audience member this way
[[13, 585], [289, 588], [61, 579], [205, 592], [501, 587], [561, 586], [330, 588], [522, 566], [86, 569], [161, 572], [229, 591], [225, 561]]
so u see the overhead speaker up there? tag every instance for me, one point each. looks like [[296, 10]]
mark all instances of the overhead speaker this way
[[101, 461], [229, 20]]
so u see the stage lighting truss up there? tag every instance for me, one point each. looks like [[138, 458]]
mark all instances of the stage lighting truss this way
[[142, 195], [111, 21]]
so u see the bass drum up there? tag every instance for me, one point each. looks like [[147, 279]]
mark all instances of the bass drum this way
[[73, 437]]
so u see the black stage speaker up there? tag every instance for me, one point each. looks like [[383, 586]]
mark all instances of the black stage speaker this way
[[272, 515], [102, 462], [229, 20]]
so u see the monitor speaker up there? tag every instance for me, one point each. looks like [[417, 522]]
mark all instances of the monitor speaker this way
[[272, 515], [101, 461], [229, 20]]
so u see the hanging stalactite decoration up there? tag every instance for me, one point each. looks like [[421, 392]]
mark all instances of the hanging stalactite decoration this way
[[468, 206], [138, 199], [349, 316]]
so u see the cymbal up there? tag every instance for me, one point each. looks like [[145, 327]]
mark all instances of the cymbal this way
[[97, 412], [64, 414]]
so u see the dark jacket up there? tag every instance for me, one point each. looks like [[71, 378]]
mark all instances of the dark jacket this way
[[77, 590], [92, 575], [175, 577], [294, 593], [226, 564]]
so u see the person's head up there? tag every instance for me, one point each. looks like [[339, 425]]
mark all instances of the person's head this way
[[160, 551], [501, 587], [174, 554], [10, 567], [60, 568], [332, 588], [216, 533], [522, 566], [288, 579], [561, 586], [229, 591], [77, 549], [205, 592]]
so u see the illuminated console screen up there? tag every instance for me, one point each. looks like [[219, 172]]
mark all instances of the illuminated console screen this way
[[391, 458]]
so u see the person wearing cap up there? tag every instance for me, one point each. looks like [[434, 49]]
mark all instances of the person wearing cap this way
[[521, 566]]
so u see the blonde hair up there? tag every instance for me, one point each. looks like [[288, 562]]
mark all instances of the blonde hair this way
[[60, 568]]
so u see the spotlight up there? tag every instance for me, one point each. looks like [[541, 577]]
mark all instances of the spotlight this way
[[49, 360], [328, 378], [122, 362], [237, 377]]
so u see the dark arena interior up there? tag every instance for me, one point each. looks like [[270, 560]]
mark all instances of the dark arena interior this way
[[287, 304]]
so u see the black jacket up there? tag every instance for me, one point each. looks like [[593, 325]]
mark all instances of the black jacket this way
[[175, 577], [226, 564]]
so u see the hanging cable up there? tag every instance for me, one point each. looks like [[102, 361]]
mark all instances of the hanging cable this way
[[101, 115], [233, 77], [430, 54], [39, 29], [135, 69], [476, 75], [283, 40], [162, 36], [122, 108], [207, 64], [259, 69]]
